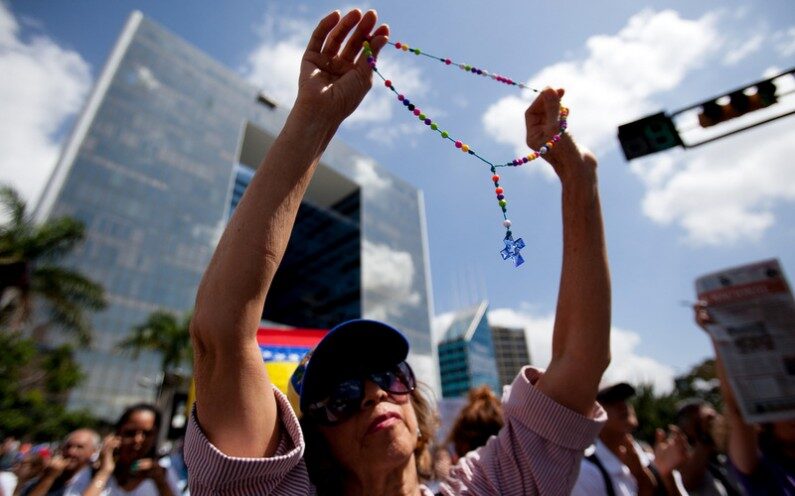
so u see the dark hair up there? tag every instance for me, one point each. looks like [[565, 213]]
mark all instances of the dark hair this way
[[326, 474], [480, 419], [141, 407]]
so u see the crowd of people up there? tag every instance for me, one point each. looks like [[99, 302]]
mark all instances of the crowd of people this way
[[355, 420], [126, 462]]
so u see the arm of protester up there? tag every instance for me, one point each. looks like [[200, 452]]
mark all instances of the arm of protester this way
[[235, 404], [670, 452], [581, 339], [743, 440], [629, 456], [55, 467]]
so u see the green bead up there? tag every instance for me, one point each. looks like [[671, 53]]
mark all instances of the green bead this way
[[444, 134], [467, 67], [503, 203], [416, 51], [434, 126], [422, 117]]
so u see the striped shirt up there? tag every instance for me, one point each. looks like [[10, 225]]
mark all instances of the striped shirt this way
[[538, 451]]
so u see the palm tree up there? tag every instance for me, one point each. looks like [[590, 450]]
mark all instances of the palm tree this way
[[30, 273], [164, 333]]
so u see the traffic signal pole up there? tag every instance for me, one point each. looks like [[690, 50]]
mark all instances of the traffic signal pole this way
[[658, 132]]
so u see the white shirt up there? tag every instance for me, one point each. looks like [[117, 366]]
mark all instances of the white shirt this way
[[591, 483], [145, 488]]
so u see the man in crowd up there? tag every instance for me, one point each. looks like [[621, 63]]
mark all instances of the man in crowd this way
[[705, 471], [67, 473], [618, 466]]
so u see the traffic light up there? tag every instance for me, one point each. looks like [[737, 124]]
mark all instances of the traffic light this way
[[651, 134], [740, 102]]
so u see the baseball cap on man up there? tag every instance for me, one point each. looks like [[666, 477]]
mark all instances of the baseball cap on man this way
[[351, 348], [617, 392]]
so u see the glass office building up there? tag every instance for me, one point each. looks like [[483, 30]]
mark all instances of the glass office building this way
[[159, 158], [466, 353], [510, 351]]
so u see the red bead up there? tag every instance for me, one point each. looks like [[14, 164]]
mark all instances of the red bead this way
[[401, 97], [495, 178], [417, 111], [448, 61], [388, 83], [499, 191], [458, 144], [398, 45]]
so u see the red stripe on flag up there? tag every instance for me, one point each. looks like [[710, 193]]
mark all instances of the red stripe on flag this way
[[290, 337]]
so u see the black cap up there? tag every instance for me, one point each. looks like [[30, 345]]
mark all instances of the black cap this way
[[617, 392]]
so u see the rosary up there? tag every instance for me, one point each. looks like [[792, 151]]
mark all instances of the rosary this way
[[512, 246]]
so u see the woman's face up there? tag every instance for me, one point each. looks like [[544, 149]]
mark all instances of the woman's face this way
[[137, 436], [383, 434]]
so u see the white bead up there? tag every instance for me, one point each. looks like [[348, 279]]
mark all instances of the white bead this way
[[506, 223], [542, 150]]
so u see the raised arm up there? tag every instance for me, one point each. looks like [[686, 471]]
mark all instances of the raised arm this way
[[234, 397], [581, 339]]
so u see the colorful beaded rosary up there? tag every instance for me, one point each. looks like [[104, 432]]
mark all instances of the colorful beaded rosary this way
[[512, 247]]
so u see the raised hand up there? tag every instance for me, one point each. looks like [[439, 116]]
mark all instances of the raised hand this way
[[107, 456], [670, 450], [542, 119], [334, 80]]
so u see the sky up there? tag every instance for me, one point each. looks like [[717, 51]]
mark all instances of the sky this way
[[670, 217]]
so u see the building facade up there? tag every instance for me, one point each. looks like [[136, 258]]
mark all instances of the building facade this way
[[466, 353], [157, 161], [510, 351]]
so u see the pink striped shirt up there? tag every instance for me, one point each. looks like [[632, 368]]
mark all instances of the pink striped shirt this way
[[537, 452]]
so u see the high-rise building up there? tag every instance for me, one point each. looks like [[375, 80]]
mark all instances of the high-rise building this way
[[511, 352], [159, 157], [466, 353]]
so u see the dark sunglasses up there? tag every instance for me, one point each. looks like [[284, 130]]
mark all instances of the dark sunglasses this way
[[346, 397]]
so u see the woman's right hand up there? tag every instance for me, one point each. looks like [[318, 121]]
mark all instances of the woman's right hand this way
[[334, 81], [107, 456]]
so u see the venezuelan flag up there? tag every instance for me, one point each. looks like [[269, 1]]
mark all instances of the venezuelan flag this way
[[283, 349]]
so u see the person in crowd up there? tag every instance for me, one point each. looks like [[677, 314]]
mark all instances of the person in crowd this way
[[618, 465], [8, 452], [68, 472], [128, 461], [28, 466], [362, 417], [477, 421], [762, 457], [705, 471]]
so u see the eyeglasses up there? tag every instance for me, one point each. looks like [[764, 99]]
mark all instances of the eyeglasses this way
[[346, 397]]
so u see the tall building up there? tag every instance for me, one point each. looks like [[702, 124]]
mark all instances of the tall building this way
[[466, 353], [511, 352], [160, 156]]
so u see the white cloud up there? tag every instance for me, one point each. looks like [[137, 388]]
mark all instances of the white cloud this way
[[786, 42], [365, 173], [626, 364], [738, 53], [614, 83], [389, 284], [43, 86], [274, 66], [724, 193]]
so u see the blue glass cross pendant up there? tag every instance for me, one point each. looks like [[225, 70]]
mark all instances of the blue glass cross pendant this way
[[511, 250]]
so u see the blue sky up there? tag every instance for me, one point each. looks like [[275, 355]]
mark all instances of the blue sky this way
[[670, 217]]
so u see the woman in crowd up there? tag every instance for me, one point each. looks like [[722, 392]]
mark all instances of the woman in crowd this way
[[362, 420], [128, 463]]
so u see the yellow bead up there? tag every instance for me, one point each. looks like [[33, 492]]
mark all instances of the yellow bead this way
[[405, 48], [531, 157], [465, 148]]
